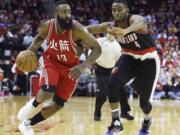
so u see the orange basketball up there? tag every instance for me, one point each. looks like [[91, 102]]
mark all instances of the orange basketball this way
[[27, 61]]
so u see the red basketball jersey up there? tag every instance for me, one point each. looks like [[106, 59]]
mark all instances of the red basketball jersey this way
[[61, 48]]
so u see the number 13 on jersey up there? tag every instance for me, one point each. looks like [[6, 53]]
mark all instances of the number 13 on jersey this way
[[61, 57]]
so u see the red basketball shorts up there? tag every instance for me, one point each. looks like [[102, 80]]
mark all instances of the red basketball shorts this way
[[56, 74]]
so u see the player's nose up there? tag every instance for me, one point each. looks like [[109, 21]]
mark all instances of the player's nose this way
[[68, 16]]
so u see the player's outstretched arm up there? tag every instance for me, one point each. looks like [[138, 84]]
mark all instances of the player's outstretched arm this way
[[99, 28], [40, 37], [137, 24]]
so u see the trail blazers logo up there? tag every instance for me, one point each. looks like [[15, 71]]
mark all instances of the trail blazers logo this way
[[130, 38]]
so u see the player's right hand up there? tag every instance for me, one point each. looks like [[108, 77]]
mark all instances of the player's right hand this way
[[117, 32], [106, 25], [76, 71]]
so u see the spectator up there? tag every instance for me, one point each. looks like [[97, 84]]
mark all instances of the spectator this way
[[19, 21], [161, 85], [175, 90], [27, 39]]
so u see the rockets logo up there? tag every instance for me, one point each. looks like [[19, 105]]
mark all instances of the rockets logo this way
[[114, 70]]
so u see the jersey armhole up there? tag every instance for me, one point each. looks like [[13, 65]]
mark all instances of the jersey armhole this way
[[49, 30], [73, 44]]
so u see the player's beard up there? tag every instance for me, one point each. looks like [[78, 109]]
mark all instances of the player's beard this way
[[64, 24]]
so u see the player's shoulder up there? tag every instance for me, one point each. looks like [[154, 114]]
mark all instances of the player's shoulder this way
[[45, 23], [135, 16], [78, 30], [78, 27]]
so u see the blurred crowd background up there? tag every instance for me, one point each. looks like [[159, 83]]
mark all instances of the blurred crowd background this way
[[19, 20]]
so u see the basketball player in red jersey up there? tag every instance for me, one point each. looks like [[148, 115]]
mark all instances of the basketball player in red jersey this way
[[139, 60], [61, 64]]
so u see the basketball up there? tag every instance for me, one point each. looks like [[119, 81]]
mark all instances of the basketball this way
[[27, 61]]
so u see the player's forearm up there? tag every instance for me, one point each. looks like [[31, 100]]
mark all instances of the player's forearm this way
[[96, 29], [95, 53], [137, 26], [35, 45]]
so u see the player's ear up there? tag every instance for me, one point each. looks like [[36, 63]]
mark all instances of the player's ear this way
[[127, 10], [55, 12]]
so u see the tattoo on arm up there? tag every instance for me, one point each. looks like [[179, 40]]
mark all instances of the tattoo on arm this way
[[90, 42]]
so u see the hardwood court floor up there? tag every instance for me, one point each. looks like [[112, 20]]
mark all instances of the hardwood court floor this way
[[77, 118]]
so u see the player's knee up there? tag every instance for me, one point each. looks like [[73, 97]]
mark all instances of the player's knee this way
[[145, 106], [43, 95], [59, 101], [113, 91]]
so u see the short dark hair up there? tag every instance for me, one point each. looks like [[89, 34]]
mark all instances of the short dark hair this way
[[61, 2], [121, 1]]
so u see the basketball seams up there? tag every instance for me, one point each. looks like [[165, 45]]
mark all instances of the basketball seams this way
[[27, 61], [21, 60], [33, 60], [24, 64], [30, 61]]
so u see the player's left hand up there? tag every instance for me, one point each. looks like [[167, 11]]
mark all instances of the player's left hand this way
[[117, 32], [76, 71]]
